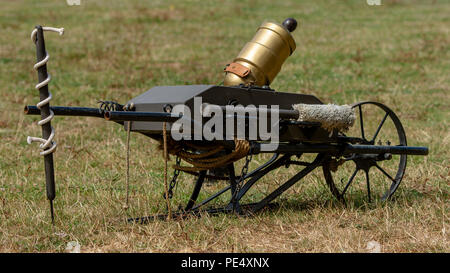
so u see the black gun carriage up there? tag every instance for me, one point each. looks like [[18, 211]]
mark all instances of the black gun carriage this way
[[376, 140]]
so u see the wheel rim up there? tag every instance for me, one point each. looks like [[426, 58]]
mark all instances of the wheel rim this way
[[378, 176]]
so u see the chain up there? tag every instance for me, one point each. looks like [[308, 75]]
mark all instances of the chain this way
[[244, 172], [106, 105], [173, 182]]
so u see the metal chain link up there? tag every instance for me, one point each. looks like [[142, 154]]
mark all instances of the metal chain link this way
[[173, 182], [244, 172], [106, 105]]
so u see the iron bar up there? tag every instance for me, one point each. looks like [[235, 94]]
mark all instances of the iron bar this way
[[233, 183], [275, 165], [361, 122], [66, 111], [385, 173], [212, 197], [282, 113], [368, 185], [272, 159], [196, 191], [343, 149], [45, 112], [349, 181], [140, 116], [379, 127], [258, 172], [317, 162]]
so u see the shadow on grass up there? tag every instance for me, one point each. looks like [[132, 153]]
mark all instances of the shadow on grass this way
[[405, 198], [402, 199]]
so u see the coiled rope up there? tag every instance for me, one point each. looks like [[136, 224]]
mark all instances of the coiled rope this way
[[207, 156], [47, 145]]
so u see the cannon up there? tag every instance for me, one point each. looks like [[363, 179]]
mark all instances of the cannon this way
[[211, 127]]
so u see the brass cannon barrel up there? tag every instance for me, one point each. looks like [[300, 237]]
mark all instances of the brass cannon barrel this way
[[261, 59]]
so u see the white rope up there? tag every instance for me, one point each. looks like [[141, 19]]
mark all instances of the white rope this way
[[45, 143], [54, 29]]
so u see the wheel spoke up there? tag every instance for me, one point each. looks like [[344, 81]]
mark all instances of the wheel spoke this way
[[368, 184], [379, 127], [361, 122], [381, 114], [385, 173], [349, 182]]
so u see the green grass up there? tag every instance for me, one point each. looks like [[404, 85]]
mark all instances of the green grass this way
[[397, 54]]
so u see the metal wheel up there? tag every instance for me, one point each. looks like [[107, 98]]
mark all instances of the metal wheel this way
[[377, 175]]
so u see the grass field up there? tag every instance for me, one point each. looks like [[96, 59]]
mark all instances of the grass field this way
[[347, 51]]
